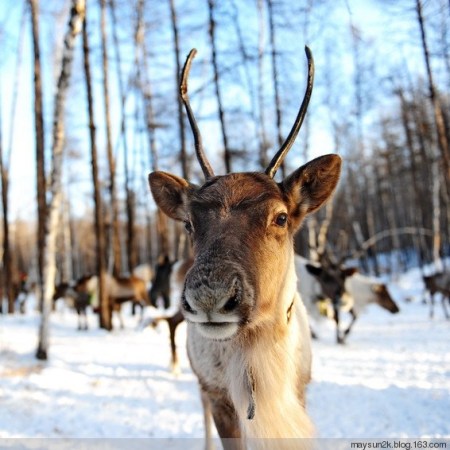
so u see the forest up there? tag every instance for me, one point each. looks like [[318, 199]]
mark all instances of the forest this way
[[90, 106]]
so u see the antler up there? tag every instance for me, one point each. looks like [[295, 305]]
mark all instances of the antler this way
[[206, 167], [279, 157]]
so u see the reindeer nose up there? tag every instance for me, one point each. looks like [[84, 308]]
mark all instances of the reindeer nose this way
[[212, 293], [232, 303], [186, 306]]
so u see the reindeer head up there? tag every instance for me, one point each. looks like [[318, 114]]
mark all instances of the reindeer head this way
[[242, 226], [331, 279], [384, 299]]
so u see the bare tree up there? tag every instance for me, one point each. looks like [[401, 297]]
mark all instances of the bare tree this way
[[4, 169], [162, 230], [275, 76], [437, 107], [212, 38], [74, 28], [181, 130], [115, 240], [40, 141], [105, 310], [442, 139]]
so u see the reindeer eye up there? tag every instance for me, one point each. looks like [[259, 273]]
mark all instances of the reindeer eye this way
[[281, 220], [188, 226]]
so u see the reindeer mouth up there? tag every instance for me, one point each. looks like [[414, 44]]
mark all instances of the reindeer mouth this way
[[217, 330]]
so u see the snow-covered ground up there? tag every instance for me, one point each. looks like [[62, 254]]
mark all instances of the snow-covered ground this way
[[391, 379]]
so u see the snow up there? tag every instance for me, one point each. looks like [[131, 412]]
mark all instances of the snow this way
[[391, 379]]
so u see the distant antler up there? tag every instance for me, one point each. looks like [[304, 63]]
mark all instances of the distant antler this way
[[279, 157], [206, 167]]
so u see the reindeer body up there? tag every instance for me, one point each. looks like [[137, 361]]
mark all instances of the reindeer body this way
[[345, 291], [119, 290], [144, 272], [438, 283], [248, 335], [362, 290]]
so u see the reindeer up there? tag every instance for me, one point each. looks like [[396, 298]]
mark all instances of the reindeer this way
[[161, 282], [77, 295], [438, 283], [352, 292], [168, 282], [124, 289], [248, 337], [118, 290], [331, 284]]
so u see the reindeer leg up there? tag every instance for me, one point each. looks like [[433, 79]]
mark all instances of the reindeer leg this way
[[111, 313], [339, 339], [354, 317], [174, 366], [444, 306], [207, 415], [173, 323], [226, 420], [431, 305], [166, 300], [119, 313], [142, 305]]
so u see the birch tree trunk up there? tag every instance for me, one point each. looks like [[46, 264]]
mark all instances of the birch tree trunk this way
[[115, 232], [162, 230], [40, 140], [66, 239], [105, 317], [76, 18]]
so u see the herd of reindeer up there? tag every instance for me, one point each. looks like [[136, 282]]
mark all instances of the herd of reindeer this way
[[245, 295], [327, 292]]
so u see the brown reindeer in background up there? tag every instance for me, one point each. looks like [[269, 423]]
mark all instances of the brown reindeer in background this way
[[438, 283], [247, 331], [118, 290]]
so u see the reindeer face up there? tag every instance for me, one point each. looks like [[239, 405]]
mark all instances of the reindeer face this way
[[241, 226], [331, 279], [384, 299]]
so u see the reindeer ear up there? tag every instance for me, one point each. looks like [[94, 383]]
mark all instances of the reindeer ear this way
[[350, 271], [314, 270], [311, 185], [170, 193]]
